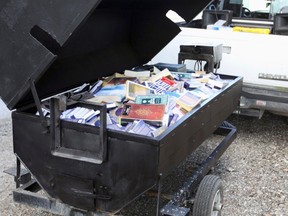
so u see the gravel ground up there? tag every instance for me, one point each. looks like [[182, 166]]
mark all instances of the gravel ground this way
[[254, 171]]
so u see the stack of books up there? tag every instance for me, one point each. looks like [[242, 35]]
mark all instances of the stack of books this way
[[146, 107]]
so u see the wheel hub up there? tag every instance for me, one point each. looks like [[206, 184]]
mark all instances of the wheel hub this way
[[217, 204]]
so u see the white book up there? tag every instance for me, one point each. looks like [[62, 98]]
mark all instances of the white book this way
[[82, 112], [89, 115], [69, 113], [158, 76], [131, 73]]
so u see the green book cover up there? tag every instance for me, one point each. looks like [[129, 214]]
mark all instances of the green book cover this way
[[182, 75], [151, 99]]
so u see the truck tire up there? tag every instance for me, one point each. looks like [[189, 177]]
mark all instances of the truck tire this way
[[209, 197]]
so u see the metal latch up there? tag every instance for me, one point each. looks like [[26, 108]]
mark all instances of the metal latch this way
[[102, 193]]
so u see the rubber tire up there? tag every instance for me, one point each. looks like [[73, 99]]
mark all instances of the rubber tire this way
[[205, 195]]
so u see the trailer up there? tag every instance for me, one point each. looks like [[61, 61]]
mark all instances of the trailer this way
[[50, 47]]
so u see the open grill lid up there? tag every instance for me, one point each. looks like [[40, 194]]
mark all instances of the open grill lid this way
[[59, 45]]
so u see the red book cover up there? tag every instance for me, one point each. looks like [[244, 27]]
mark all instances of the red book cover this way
[[151, 113]]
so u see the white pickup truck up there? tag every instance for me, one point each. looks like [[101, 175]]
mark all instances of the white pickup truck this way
[[261, 59]]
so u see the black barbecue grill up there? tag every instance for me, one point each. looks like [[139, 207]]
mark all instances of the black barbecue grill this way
[[49, 47]]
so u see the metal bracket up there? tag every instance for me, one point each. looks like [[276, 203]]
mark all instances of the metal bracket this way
[[38, 104], [21, 176], [186, 52], [59, 150], [55, 122], [171, 210], [102, 193]]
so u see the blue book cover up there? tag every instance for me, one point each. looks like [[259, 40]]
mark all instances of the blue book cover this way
[[110, 94]]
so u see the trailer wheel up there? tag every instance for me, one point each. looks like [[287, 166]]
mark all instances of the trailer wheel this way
[[209, 197]]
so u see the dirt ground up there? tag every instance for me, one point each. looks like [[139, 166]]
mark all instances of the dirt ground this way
[[254, 171]]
